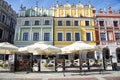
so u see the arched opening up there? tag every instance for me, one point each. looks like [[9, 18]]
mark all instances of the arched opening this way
[[118, 54], [106, 56], [106, 53]]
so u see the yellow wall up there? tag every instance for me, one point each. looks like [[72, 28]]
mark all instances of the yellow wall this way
[[82, 29], [74, 11]]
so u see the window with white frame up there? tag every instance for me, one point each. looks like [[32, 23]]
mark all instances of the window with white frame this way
[[47, 36], [36, 36], [59, 36], [26, 23], [47, 22], [67, 23], [103, 36], [117, 36], [68, 36], [75, 23], [87, 23], [37, 22], [101, 23], [25, 36], [88, 36], [59, 23], [115, 23], [77, 36]]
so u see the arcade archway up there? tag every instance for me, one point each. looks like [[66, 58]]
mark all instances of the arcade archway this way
[[118, 54]]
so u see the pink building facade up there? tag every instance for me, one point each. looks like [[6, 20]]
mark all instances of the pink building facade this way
[[107, 29]]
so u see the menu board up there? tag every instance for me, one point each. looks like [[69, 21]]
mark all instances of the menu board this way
[[11, 58]]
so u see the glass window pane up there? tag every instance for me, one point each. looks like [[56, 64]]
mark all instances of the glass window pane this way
[[59, 23], [101, 23], [88, 37], [35, 36], [86, 23], [67, 23], [59, 36], [117, 36], [103, 37], [26, 23], [47, 22], [75, 23], [115, 23], [25, 36], [37, 22], [46, 36], [68, 36], [77, 37]]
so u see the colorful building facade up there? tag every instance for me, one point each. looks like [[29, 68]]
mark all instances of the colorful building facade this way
[[73, 23], [107, 30], [33, 26], [61, 25]]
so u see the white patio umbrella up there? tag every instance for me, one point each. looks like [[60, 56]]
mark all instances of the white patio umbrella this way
[[78, 46], [40, 48], [7, 48]]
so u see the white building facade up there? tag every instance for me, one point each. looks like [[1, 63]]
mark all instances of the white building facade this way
[[33, 25]]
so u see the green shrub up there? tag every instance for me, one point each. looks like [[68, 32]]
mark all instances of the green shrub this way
[[5, 65]]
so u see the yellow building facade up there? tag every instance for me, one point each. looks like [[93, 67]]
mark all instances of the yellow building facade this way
[[73, 23]]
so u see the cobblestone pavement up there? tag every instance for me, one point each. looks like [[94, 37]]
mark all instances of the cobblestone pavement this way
[[106, 75], [112, 78]]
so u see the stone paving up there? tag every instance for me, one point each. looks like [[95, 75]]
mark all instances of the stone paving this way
[[112, 78], [106, 75]]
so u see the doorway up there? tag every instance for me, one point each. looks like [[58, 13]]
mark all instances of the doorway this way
[[118, 54]]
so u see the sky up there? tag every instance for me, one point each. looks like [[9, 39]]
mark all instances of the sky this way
[[98, 4]]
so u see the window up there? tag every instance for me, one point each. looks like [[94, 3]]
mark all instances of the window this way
[[117, 36], [102, 36], [59, 23], [118, 54], [67, 23], [77, 37], [26, 23], [3, 18], [59, 36], [25, 36], [75, 23], [86, 23], [37, 22], [101, 23], [115, 23], [35, 36], [68, 36], [1, 33], [47, 22], [88, 36], [46, 36]]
